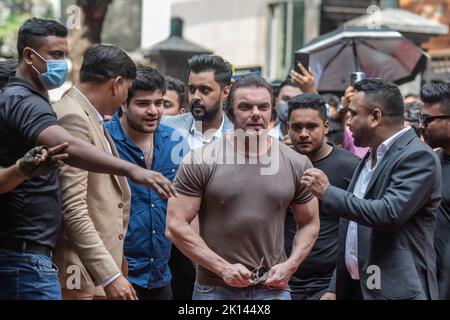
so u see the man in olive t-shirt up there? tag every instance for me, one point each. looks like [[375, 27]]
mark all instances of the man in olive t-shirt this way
[[241, 190]]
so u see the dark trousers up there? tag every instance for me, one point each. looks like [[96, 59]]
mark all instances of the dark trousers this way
[[309, 294], [164, 293], [355, 290], [183, 275]]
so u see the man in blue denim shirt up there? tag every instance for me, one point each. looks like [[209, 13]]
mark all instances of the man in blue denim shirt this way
[[140, 139]]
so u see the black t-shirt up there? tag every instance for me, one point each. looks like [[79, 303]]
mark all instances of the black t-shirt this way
[[32, 211], [442, 234], [316, 271]]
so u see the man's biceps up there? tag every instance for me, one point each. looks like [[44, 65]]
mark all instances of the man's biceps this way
[[306, 210], [184, 205], [53, 136]]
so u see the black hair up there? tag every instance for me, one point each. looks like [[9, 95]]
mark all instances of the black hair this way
[[7, 70], [33, 32], [179, 87], [385, 95], [206, 62], [437, 92], [147, 79], [249, 81], [285, 83], [102, 62], [309, 101], [332, 100]]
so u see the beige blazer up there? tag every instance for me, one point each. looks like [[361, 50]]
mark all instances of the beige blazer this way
[[95, 207]]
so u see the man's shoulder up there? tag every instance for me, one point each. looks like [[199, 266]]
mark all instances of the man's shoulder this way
[[290, 154], [15, 95], [345, 156], [181, 121]]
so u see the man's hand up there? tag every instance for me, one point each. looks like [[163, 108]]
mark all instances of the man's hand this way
[[120, 289], [316, 181], [304, 81], [237, 276], [279, 275], [42, 160], [154, 180], [347, 98], [329, 296]]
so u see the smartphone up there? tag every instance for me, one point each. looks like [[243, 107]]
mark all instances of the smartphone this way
[[303, 58], [356, 77]]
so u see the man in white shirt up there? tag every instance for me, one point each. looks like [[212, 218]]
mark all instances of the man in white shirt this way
[[208, 87], [386, 237]]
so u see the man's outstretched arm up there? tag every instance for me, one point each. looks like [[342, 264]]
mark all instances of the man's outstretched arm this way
[[85, 156]]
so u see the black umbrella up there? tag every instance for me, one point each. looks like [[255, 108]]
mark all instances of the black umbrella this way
[[380, 53]]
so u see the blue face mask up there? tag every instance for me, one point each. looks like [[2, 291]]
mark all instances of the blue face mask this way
[[56, 72]]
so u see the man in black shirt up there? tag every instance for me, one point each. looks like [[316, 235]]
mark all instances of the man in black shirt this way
[[31, 213], [435, 126], [308, 127]]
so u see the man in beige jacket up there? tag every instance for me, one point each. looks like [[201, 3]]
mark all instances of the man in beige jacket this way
[[96, 206]]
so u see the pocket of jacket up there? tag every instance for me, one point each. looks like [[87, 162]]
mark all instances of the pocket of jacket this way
[[399, 277]]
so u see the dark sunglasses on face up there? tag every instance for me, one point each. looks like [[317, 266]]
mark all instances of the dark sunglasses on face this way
[[425, 120]]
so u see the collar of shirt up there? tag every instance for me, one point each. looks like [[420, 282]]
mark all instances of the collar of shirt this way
[[197, 134], [384, 148]]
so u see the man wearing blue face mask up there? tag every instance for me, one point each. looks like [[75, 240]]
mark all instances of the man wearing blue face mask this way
[[288, 90], [56, 73], [31, 213]]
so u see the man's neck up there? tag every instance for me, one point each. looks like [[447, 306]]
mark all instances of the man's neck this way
[[212, 126], [38, 86], [386, 133], [94, 95], [142, 140], [322, 153], [249, 147]]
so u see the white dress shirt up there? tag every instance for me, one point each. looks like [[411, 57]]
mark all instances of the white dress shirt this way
[[351, 243], [197, 139]]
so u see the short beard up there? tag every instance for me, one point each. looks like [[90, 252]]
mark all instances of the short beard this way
[[208, 116]]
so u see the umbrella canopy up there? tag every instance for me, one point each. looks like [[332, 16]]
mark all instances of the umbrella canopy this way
[[380, 53]]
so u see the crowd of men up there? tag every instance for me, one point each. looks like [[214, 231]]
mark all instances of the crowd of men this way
[[136, 186]]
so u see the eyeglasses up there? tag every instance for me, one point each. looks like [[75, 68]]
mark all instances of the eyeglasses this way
[[425, 120], [259, 274]]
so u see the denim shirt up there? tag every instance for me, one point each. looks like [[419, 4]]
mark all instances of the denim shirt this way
[[146, 247]]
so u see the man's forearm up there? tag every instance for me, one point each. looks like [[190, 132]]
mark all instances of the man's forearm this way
[[84, 155], [87, 157], [9, 179], [303, 243], [189, 242]]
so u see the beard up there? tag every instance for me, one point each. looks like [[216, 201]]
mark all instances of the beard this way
[[200, 113]]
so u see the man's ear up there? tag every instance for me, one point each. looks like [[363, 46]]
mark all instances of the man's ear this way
[[326, 126], [117, 81], [376, 116], [225, 92], [27, 55]]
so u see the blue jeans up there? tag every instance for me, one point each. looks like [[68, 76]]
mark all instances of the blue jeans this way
[[26, 276], [203, 292]]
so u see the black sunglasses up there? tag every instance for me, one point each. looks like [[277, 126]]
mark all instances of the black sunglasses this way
[[425, 120]]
